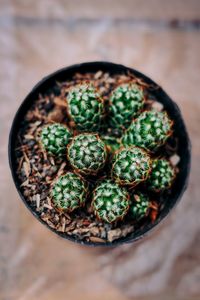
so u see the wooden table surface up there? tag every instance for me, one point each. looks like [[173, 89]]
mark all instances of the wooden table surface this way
[[159, 38]]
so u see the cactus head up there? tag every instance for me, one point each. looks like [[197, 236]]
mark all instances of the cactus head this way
[[112, 143], [87, 153], [55, 138], [85, 107], [131, 166], [126, 102], [162, 175], [139, 206], [110, 202], [149, 131], [69, 192]]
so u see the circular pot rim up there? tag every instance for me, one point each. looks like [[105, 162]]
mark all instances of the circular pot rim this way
[[94, 67]]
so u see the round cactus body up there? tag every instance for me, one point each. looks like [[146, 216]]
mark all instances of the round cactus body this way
[[110, 202], [139, 206], [149, 131], [55, 138], [85, 107], [131, 166], [69, 192], [162, 175], [126, 102], [87, 153]]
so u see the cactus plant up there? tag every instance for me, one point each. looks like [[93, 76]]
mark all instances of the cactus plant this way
[[69, 192], [139, 206], [55, 138], [131, 166], [112, 143], [149, 131], [110, 202], [126, 102], [85, 107], [87, 153], [162, 175]]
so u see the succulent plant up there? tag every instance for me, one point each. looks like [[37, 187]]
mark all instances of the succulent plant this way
[[149, 131], [126, 102], [87, 153], [162, 175], [55, 138], [131, 166], [69, 192], [139, 206], [111, 142], [85, 107], [110, 202]]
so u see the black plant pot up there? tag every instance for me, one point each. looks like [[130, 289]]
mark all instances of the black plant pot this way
[[184, 147]]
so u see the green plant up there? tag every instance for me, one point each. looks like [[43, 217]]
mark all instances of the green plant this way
[[126, 102], [87, 153], [110, 202], [85, 107], [139, 205], [131, 166], [112, 143], [149, 131], [162, 175], [69, 192], [55, 138]]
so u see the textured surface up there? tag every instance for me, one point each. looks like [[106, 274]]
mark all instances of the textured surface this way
[[69, 192], [85, 107], [110, 202], [149, 131], [55, 138], [161, 39], [87, 153], [126, 102], [131, 166]]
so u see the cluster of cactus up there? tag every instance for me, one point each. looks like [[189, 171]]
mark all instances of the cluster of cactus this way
[[128, 161]]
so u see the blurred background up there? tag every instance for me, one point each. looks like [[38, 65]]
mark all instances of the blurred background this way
[[159, 38]]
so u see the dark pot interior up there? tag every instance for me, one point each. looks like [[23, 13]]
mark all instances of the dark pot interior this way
[[184, 148]]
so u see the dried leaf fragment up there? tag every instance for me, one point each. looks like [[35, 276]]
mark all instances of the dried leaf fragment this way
[[115, 234]]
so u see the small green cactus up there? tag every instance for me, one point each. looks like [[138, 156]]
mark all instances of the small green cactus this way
[[139, 206], [149, 131], [87, 153], [69, 192], [162, 175], [131, 166], [126, 102], [55, 138], [85, 107], [110, 202], [112, 143]]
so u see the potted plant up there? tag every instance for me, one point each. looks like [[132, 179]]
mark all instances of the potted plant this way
[[99, 153]]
